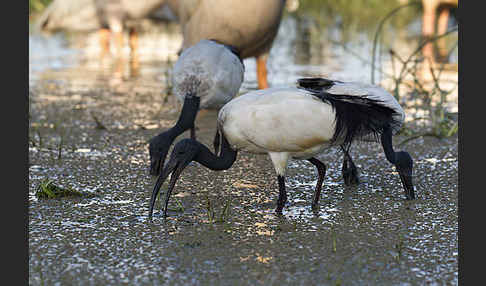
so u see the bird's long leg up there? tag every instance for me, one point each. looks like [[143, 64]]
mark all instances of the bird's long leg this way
[[193, 132], [280, 160], [321, 172], [133, 41], [104, 38], [262, 71], [119, 42], [282, 194], [349, 170], [134, 57]]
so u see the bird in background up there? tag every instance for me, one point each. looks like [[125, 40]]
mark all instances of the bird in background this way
[[108, 17], [297, 123], [205, 76], [250, 26]]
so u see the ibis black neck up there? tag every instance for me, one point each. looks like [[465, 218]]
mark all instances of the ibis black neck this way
[[187, 117], [386, 141], [222, 162]]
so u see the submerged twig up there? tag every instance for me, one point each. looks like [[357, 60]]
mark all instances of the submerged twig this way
[[430, 134], [99, 125]]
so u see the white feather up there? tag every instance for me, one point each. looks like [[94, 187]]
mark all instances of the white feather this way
[[278, 120], [218, 70], [289, 122]]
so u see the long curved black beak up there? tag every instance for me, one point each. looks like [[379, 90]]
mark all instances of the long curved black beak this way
[[174, 166], [158, 149], [406, 178], [155, 192]]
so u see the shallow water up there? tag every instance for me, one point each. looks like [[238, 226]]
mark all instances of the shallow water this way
[[364, 235]]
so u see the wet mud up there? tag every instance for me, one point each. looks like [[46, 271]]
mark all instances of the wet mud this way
[[91, 134], [367, 234]]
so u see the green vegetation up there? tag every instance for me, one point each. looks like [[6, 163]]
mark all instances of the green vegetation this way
[[48, 190], [36, 6], [179, 208], [420, 81], [356, 15], [223, 217]]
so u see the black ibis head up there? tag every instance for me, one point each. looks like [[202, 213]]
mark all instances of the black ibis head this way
[[404, 165], [184, 152], [158, 149]]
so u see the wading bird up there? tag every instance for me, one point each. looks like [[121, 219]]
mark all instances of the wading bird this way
[[250, 26], [106, 16], [206, 76], [299, 123]]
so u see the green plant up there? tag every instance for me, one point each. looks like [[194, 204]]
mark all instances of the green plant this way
[[179, 208], [422, 93], [209, 209], [48, 190], [36, 6]]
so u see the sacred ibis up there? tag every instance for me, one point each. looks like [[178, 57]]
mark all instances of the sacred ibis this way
[[206, 76], [297, 123]]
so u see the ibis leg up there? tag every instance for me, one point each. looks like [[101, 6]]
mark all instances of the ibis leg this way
[[321, 172], [282, 194], [349, 170]]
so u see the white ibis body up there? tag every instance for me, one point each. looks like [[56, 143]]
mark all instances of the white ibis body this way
[[206, 76], [297, 123]]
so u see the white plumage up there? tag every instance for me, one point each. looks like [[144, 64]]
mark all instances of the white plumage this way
[[291, 121], [286, 120], [299, 123], [218, 71]]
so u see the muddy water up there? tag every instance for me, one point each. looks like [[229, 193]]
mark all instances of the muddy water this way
[[89, 126]]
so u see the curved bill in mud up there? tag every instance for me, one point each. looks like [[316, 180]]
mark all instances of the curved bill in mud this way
[[406, 178], [155, 192], [174, 166]]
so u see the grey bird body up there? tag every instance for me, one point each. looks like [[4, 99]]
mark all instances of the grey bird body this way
[[250, 25]]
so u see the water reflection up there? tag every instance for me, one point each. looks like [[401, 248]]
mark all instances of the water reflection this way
[[310, 42]]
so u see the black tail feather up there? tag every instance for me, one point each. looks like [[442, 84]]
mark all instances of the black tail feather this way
[[358, 117], [315, 83]]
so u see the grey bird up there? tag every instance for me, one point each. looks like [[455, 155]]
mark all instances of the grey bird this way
[[250, 26]]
